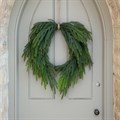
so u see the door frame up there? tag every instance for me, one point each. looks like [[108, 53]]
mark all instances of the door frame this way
[[108, 58]]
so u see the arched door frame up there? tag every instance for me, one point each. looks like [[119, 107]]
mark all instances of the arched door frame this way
[[108, 43]]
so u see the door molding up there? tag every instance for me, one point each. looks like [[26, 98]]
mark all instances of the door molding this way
[[108, 56]]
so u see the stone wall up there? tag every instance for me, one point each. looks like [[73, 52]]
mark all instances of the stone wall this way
[[5, 10], [114, 7]]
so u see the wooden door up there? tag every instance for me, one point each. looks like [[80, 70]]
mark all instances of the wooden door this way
[[32, 101]]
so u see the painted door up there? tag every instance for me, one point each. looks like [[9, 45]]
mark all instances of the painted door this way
[[32, 101]]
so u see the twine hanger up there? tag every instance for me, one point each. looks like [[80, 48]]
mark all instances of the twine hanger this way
[[58, 16]]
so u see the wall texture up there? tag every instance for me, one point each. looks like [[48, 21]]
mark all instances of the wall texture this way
[[114, 7], [5, 10]]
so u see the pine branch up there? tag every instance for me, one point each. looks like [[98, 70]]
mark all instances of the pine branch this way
[[36, 54]]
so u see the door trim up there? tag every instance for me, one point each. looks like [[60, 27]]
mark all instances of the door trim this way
[[108, 57]]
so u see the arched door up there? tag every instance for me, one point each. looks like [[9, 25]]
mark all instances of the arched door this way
[[31, 101]]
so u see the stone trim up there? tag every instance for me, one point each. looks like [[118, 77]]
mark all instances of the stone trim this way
[[116, 66], [114, 8]]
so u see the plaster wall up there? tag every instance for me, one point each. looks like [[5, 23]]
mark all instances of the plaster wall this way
[[114, 8]]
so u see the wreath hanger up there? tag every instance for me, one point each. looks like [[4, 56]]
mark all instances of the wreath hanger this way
[[35, 54]]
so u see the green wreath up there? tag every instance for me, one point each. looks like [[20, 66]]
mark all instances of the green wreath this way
[[36, 54]]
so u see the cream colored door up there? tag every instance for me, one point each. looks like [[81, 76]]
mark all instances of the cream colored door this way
[[32, 101]]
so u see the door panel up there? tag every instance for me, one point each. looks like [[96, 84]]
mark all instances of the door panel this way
[[43, 11], [35, 103]]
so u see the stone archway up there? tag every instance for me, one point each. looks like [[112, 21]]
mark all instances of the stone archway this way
[[114, 8], [5, 10]]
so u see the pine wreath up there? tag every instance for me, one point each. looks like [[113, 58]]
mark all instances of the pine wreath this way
[[36, 54]]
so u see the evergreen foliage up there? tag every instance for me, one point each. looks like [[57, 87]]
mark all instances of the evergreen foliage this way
[[36, 54]]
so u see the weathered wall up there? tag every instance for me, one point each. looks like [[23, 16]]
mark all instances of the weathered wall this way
[[114, 7], [5, 10]]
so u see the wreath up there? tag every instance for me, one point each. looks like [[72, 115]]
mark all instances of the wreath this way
[[36, 54]]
